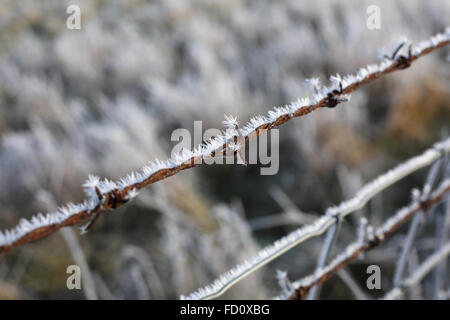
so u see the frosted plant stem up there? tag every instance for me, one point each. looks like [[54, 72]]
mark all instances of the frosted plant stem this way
[[415, 224]]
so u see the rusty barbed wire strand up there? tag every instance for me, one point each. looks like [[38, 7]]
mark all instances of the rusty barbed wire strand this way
[[115, 195]]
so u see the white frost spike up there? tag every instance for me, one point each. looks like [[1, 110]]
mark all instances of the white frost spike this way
[[304, 102], [231, 133], [183, 156], [197, 152], [258, 121], [171, 164], [272, 115], [299, 103], [107, 185], [230, 122], [133, 193], [284, 283], [362, 74], [91, 182], [317, 97], [336, 80], [89, 187], [278, 112], [372, 68], [386, 63], [187, 154], [349, 80], [128, 180], [435, 40], [233, 146], [25, 225], [314, 84]]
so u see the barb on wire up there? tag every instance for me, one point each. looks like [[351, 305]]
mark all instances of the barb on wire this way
[[105, 194], [304, 285], [367, 192]]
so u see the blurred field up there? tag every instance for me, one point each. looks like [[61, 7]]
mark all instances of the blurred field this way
[[105, 99]]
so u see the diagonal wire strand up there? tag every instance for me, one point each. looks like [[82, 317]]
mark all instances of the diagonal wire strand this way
[[105, 195]]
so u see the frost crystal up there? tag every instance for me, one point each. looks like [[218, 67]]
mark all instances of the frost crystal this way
[[233, 146], [336, 81], [314, 84], [90, 186], [230, 122], [283, 281], [94, 184], [133, 193]]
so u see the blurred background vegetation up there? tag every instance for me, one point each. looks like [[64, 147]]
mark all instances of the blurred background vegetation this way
[[105, 99]]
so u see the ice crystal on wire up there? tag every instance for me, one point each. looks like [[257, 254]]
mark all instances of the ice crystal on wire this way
[[362, 74], [299, 103], [233, 146], [336, 82], [183, 156], [314, 84], [106, 185], [348, 80], [317, 97], [285, 284], [372, 68], [230, 122], [130, 179], [278, 112], [133, 193], [230, 133], [92, 182], [90, 186]]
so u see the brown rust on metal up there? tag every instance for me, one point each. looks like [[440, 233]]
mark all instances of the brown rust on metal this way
[[116, 198]]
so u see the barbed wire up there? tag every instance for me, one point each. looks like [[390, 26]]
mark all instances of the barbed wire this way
[[332, 215], [105, 194], [425, 268], [352, 251]]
